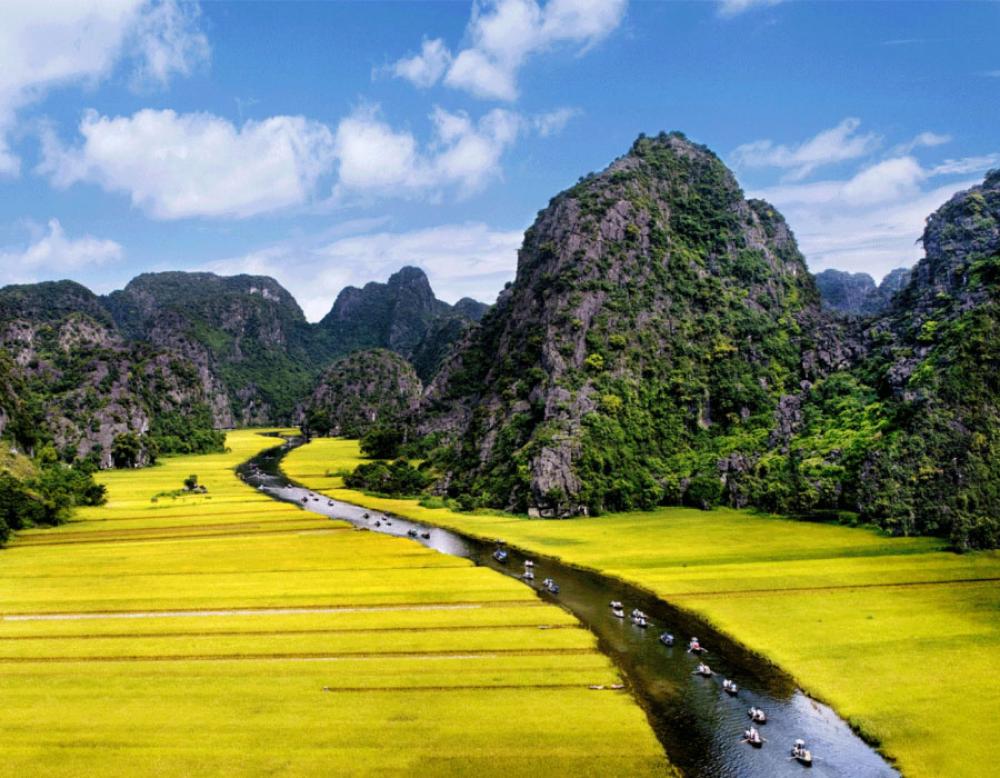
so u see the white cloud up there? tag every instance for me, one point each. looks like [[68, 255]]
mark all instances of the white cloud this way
[[53, 255], [375, 159], [554, 122], [503, 34], [872, 221], [426, 68], [735, 7], [168, 41], [174, 166], [836, 144], [461, 260], [922, 140], [58, 42], [967, 165]]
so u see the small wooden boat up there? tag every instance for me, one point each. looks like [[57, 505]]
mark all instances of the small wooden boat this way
[[694, 647], [551, 586], [730, 687], [618, 613], [640, 621], [752, 736], [616, 605], [666, 638], [703, 670], [411, 532], [529, 574], [500, 556], [757, 716], [801, 754], [425, 535]]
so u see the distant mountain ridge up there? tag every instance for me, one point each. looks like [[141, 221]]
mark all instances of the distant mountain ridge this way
[[218, 351], [856, 294]]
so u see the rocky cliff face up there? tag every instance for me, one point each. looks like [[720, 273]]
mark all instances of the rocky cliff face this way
[[77, 382], [656, 313], [365, 389], [663, 343], [402, 315], [256, 354], [935, 357], [856, 294]]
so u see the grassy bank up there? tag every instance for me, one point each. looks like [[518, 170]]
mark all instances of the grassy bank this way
[[228, 634], [902, 637]]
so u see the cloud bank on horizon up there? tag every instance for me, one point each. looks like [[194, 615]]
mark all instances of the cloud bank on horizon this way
[[112, 107]]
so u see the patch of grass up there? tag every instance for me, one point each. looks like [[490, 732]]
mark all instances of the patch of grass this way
[[900, 636], [241, 636]]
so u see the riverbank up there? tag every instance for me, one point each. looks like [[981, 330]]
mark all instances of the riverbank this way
[[227, 633], [900, 636]]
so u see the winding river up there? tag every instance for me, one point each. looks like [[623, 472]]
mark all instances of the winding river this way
[[698, 723]]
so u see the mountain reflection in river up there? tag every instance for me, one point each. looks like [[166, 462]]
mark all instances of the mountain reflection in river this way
[[701, 727]]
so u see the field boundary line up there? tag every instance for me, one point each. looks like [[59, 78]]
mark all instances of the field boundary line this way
[[272, 610], [831, 588]]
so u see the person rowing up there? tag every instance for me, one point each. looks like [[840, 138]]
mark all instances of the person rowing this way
[[694, 647], [730, 687], [757, 715], [666, 639], [752, 736], [802, 754], [703, 669]]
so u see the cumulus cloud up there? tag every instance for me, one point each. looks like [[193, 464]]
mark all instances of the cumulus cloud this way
[[53, 255], [58, 42], [461, 260], [736, 7], [426, 68], [167, 41], [872, 221], [836, 144], [375, 159], [503, 34], [182, 165]]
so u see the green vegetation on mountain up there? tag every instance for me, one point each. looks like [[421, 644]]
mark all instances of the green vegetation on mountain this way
[[663, 343], [376, 387]]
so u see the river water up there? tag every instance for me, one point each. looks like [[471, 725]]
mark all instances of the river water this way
[[698, 723]]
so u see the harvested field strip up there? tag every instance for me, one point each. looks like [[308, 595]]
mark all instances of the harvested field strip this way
[[843, 587], [277, 632], [465, 654], [30, 540], [239, 531], [267, 571], [276, 611]]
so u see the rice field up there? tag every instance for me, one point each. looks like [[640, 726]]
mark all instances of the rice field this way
[[228, 634], [900, 636]]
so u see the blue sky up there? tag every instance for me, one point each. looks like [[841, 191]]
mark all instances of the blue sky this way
[[330, 143]]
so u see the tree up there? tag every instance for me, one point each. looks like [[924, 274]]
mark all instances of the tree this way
[[381, 443], [126, 450], [191, 482]]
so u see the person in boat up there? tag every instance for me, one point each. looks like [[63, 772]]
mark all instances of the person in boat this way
[[667, 639]]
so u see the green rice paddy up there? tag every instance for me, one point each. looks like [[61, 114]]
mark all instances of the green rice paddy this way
[[228, 634], [899, 635]]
